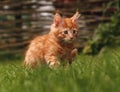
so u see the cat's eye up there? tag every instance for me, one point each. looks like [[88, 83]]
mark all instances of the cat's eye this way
[[74, 31], [65, 32]]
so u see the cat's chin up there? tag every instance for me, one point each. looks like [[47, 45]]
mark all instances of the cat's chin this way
[[68, 41]]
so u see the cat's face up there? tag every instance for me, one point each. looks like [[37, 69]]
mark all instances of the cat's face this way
[[66, 28], [68, 31]]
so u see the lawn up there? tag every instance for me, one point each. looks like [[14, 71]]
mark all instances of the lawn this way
[[88, 73]]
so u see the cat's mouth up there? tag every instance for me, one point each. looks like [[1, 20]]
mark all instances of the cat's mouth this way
[[68, 41]]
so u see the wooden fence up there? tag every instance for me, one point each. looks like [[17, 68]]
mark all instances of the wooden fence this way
[[22, 20]]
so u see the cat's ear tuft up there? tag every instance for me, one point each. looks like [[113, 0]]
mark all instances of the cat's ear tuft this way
[[75, 17], [57, 19]]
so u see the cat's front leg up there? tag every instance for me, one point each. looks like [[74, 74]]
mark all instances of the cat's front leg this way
[[52, 61], [73, 55]]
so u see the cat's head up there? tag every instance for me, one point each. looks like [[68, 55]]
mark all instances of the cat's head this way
[[65, 29]]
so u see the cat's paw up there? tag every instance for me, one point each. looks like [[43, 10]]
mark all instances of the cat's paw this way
[[74, 52], [54, 64]]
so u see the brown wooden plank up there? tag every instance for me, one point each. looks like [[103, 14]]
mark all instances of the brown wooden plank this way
[[10, 12], [28, 34], [14, 51], [16, 4], [99, 19], [97, 1], [14, 45], [19, 30], [9, 22]]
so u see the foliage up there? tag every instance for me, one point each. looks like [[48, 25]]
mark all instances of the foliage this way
[[113, 6], [107, 34], [86, 74]]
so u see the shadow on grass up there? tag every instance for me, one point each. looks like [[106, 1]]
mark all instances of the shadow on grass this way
[[10, 58]]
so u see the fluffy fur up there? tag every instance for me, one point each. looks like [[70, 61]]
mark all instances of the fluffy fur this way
[[55, 47]]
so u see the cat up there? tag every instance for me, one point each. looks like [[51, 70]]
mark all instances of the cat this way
[[57, 46]]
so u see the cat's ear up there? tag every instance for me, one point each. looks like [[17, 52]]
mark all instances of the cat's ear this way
[[75, 17], [57, 19]]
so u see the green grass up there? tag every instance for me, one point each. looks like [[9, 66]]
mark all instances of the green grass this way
[[100, 73]]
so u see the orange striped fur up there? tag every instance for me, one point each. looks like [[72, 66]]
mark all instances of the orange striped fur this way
[[55, 47]]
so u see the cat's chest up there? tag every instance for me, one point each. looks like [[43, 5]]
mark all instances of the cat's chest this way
[[65, 51]]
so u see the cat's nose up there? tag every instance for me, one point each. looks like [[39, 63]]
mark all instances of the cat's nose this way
[[71, 38]]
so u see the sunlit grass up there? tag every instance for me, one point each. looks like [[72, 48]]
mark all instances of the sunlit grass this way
[[100, 73]]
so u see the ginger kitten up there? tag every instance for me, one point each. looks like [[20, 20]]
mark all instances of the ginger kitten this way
[[56, 46]]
